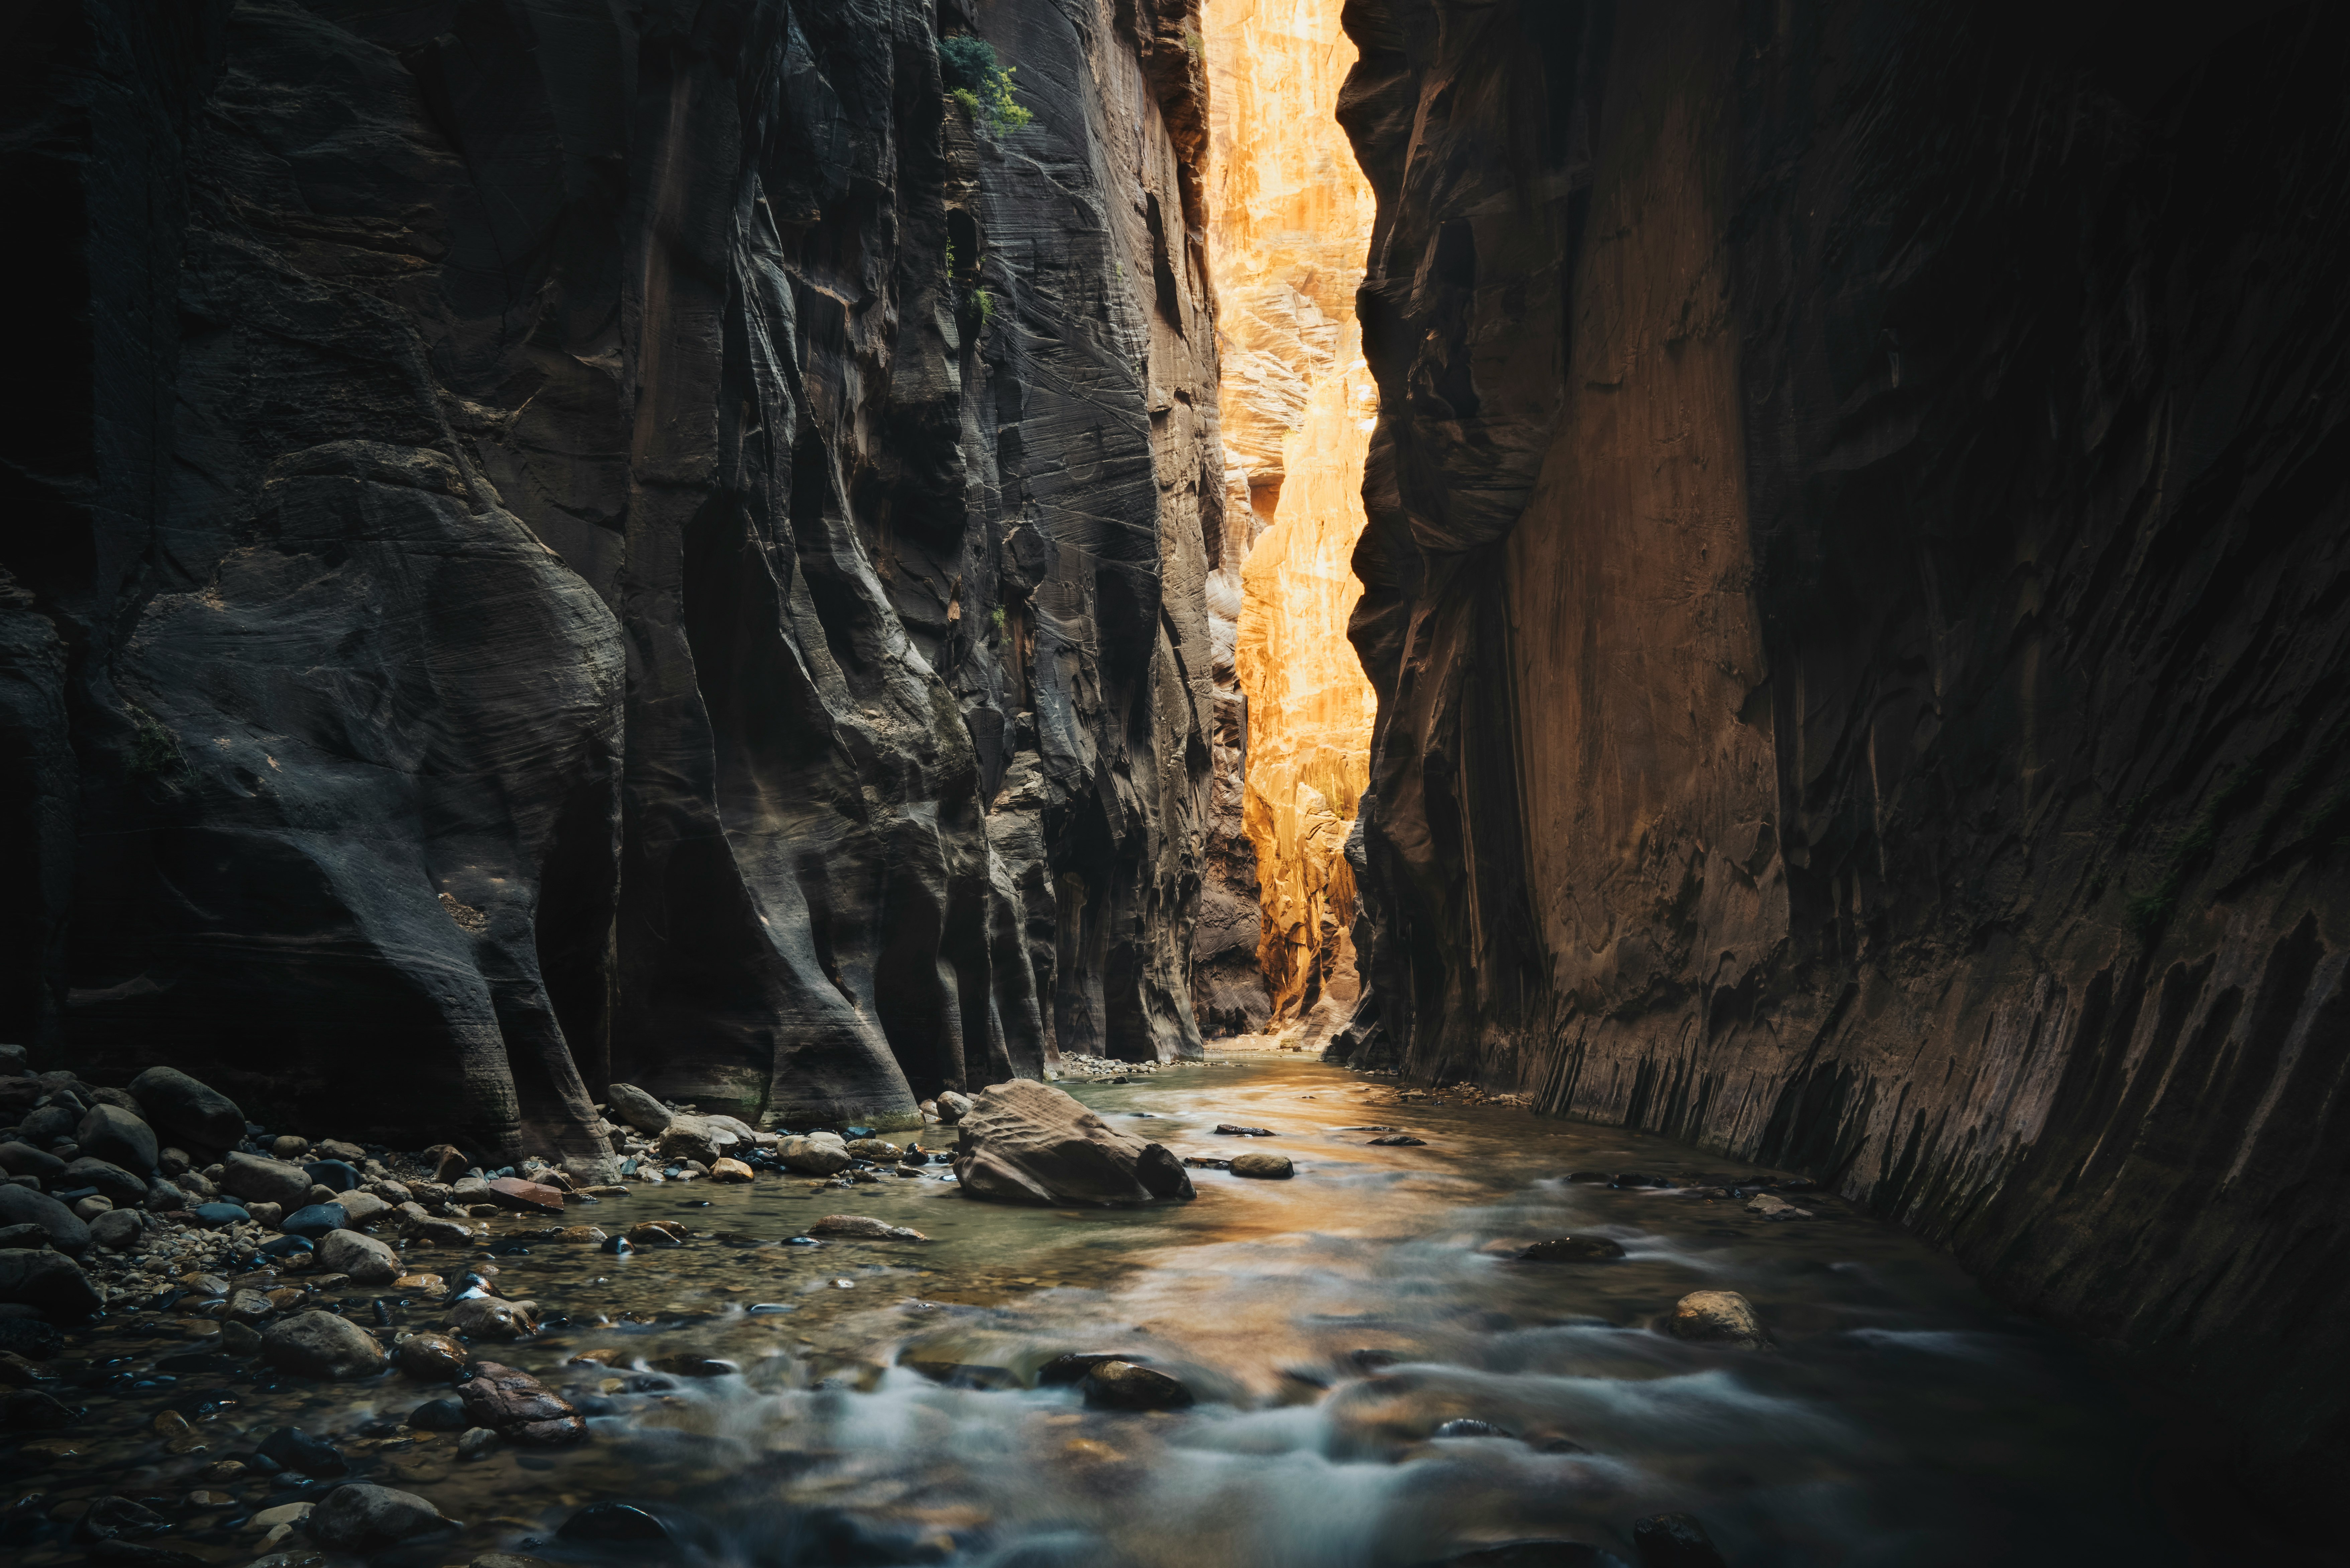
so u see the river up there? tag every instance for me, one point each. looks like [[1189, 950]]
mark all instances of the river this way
[[1330, 1324]]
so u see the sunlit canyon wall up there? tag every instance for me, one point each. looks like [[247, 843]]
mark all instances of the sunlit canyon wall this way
[[530, 570], [1290, 216], [1856, 586]]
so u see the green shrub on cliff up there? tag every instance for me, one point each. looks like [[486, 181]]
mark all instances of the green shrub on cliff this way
[[975, 80]]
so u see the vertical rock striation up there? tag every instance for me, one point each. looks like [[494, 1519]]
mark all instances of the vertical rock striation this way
[[1291, 213], [1855, 591], [537, 572]]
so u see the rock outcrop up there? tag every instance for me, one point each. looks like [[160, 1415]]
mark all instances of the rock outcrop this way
[[627, 544], [1025, 1142], [1855, 591]]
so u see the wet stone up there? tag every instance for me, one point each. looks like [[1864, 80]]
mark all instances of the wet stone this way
[[1675, 1540], [1572, 1250], [431, 1357], [1263, 1166], [362, 1518], [292, 1449], [1123, 1386], [439, 1415], [1717, 1317]]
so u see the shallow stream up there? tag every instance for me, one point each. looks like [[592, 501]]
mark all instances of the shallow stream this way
[[1329, 1323]]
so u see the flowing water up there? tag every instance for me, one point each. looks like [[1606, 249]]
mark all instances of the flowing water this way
[[1329, 1323]]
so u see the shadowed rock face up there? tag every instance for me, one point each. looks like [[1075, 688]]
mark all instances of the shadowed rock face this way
[[1855, 586], [534, 572]]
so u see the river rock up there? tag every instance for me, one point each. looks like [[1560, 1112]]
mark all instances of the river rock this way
[[816, 1154], [23, 1235], [289, 1147], [446, 1161], [487, 1318], [518, 1407], [865, 1225], [113, 1134], [640, 1110], [338, 1175], [361, 1208], [24, 1159], [322, 1345], [1263, 1166], [270, 1180], [23, 1206], [359, 1517], [292, 1449], [689, 1137], [90, 1208], [192, 1112], [316, 1220], [431, 1357], [1675, 1540], [1123, 1386], [1027, 1142], [49, 1280], [732, 1170], [368, 1261], [881, 1151], [218, 1216], [526, 1197], [1771, 1206], [427, 1231], [117, 1231], [1572, 1250], [440, 1416], [115, 1184], [953, 1106], [1717, 1317]]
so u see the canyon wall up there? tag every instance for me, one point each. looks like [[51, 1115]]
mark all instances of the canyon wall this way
[[1290, 213], [566, 542], [1855, 585]]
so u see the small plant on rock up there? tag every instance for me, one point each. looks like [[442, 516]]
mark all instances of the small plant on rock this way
[[980, 85]]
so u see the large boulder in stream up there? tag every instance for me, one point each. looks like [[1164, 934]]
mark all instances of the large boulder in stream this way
[[1026, 1142], [190, 1110]]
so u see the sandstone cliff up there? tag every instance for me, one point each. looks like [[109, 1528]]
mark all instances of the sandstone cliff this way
[[587, 543], [1856, 590]]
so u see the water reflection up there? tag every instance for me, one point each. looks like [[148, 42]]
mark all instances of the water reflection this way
[[878, 1402]]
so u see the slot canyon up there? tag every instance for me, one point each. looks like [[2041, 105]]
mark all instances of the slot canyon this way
[[1175, 783]]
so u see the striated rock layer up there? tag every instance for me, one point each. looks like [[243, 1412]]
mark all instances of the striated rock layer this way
[[1290, 214], [1855, 592], [533, 571]]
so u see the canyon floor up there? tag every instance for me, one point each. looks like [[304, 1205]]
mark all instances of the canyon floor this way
[[883, 1401]]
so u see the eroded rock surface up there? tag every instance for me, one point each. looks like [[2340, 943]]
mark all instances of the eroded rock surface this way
[[547, 571], [1026, 1142], [1855, 586]]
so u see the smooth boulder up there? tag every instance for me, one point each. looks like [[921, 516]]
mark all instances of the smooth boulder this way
[[1123, 1386], [368, 1261], [24, 1159], [192, 1111], [526, 1197], [814, 1154], [117, 1231], [23, 1206], [265, 1180], [322, 1345], [1717, 1317], [517, 1407], [114, 1184], [431, 1357], [49, 1280], [865, 1225], [316, 1220], [363, 1518], [640, 1110], [1026, 1142], [1262, 1166], [113, 1134]]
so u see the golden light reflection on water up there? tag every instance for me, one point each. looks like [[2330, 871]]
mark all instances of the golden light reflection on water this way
[[1328, 1324]]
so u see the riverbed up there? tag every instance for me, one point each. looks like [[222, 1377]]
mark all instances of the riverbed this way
[[868, 1402]]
